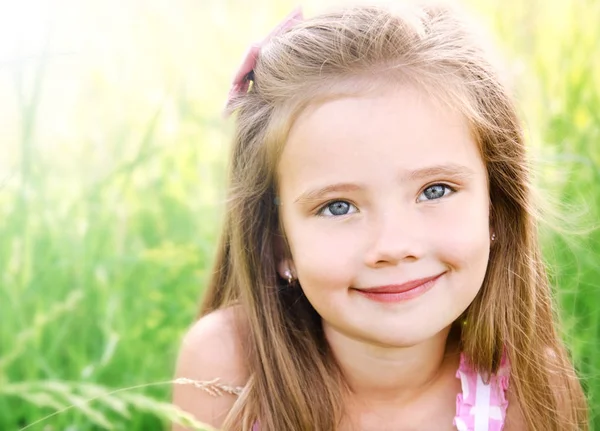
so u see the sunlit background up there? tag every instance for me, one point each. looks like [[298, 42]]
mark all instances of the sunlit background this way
[[112, 156]]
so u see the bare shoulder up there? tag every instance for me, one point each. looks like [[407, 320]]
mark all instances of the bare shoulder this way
[[515, 420], [560, 379], [211, 354]]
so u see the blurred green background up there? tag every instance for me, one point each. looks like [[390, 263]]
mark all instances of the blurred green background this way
[[112, 169]]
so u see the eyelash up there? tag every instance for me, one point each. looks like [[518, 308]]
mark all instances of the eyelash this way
[[446, 186]]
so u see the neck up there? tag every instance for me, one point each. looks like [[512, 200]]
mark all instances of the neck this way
[[389, 374]]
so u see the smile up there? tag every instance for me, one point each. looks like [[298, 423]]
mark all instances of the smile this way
[[399, 292]]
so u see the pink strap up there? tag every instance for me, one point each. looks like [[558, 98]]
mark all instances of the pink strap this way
[[480, 406]]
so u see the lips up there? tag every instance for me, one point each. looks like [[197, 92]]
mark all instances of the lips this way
[[399, 288], [399, 292]]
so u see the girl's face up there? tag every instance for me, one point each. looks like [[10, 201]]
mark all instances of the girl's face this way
[[385, 192]]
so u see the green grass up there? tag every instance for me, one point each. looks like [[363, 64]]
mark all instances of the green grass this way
[[111, 184]]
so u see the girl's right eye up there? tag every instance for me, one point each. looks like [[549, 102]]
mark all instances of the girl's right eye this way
[[336, 209]]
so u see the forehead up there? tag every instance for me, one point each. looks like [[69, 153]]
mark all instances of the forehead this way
[[375, 137]]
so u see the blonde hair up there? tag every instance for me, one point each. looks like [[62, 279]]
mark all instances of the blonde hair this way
[[295, 384]]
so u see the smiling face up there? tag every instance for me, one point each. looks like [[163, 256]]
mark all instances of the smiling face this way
[[383, 190]]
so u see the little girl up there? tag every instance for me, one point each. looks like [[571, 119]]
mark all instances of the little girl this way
[[379, 266]]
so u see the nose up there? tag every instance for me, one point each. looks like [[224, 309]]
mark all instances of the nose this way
[[394, 237]]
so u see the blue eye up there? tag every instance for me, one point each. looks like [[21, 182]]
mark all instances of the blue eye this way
[[337, 208], [435, 191]]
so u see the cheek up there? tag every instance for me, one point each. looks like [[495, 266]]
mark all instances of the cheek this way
[[324, 258], [463, 238], [464, 248]]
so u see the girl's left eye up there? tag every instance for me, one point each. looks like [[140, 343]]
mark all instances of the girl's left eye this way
[[435, 191]]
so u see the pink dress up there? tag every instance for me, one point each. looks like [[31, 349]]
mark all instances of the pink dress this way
[[479, 406]]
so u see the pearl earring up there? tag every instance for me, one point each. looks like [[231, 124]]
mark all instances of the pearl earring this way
[[494, 236], [289, 276]]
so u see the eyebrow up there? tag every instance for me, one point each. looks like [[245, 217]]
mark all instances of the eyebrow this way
[[316, 194], [449, 170], [454, 171]]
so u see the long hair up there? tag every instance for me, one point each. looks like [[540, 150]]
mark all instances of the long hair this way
[[295, 383]]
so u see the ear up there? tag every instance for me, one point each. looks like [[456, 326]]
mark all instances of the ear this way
[[282, 256], [285, 265], [492, 223], [493, 236]]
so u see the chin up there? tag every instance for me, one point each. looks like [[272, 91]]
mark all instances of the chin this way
[[405, 337]]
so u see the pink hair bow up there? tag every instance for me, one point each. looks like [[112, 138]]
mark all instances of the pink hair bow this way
[[241, 81]]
